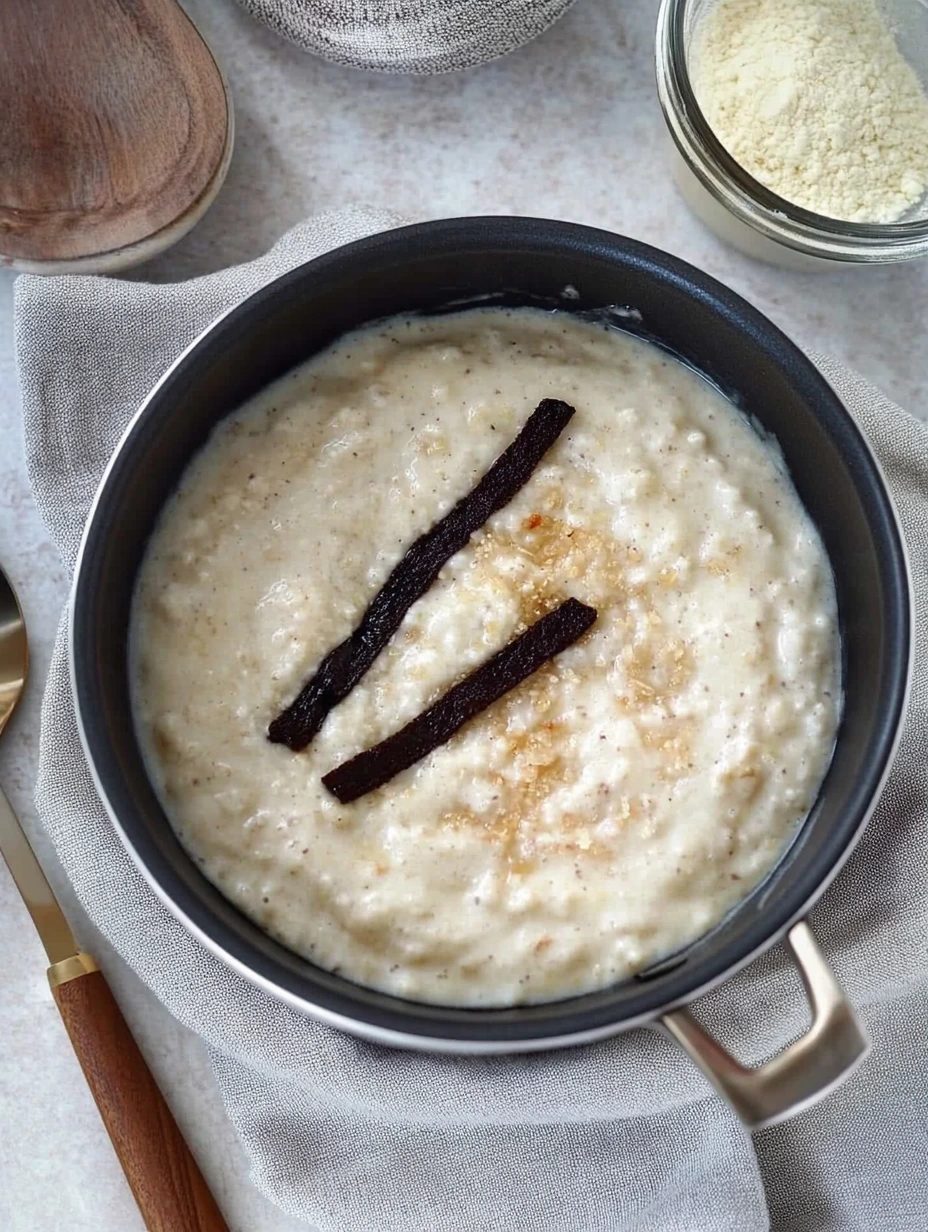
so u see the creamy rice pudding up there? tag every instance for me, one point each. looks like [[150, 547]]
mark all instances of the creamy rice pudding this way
[[608, 810]]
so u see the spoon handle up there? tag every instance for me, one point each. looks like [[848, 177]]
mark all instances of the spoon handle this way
[[162, 1173]]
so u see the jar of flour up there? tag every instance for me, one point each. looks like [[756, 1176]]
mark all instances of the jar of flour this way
[[800, 127]]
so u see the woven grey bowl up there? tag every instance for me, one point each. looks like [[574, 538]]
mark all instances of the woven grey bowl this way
[[408, 36]]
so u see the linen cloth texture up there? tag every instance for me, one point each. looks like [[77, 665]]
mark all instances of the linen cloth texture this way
[[408, 36], [620, 1136]]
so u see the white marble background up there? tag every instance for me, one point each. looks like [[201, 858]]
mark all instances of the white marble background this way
[[568, 127]]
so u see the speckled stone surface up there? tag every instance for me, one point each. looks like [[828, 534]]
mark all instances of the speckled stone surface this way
[[568, 127]]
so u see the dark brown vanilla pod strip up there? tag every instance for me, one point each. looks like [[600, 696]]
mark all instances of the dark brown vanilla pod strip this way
[[484, 686], [344, 666]]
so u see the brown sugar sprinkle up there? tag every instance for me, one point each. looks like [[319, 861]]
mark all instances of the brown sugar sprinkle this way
[[558, 552], [672, 739], [561, 555], [723, 567], [511, 823], [509, 668], [656, 673]]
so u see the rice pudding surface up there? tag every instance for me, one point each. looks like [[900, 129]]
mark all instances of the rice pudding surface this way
[[608, 810]]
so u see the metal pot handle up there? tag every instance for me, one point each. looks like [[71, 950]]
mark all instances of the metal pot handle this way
[[807, 1070]]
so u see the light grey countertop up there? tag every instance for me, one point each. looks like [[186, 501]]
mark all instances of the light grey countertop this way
[[568, 127]]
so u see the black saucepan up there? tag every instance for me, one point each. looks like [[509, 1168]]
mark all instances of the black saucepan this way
[[525, 261]]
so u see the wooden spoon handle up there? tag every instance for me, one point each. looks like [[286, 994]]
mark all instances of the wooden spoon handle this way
[[163, 1175]]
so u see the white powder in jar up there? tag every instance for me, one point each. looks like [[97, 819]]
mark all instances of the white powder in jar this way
[[814, 99]]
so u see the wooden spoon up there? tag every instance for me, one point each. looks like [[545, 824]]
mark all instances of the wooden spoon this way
[[161, 1171], [115, 132]]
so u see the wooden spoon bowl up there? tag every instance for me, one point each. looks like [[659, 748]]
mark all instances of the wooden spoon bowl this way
[[115, 133]]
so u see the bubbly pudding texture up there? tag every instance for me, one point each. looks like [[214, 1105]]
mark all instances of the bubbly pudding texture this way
[[607, 811]]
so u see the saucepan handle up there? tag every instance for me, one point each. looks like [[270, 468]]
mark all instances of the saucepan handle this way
[[807, 1070]]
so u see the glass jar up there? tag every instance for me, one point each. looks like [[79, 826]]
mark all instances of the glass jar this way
[[740, 209]]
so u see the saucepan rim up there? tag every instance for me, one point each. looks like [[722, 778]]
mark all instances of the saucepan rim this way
[[400, 1025]]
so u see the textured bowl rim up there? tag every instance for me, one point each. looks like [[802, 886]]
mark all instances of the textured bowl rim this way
[[443, 25]]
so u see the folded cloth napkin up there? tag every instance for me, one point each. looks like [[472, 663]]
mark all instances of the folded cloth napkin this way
[[620, 1135], [409, 36]]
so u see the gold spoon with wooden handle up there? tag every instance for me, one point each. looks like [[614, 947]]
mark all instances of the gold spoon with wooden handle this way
[[115, 132], [163, 1175]]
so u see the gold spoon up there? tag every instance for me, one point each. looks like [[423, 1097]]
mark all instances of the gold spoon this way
[[163, 1175], [115, 132]]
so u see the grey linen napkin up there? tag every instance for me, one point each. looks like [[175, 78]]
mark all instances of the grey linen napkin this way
[[408, 36], [621, 1135]]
